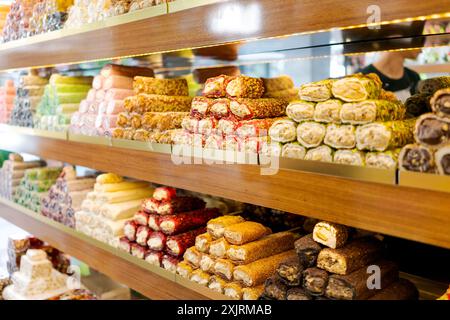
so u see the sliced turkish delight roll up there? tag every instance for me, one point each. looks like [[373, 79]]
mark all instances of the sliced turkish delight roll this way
[[315, 281], [430, 86], [138, 251], [432, 131], [349, 157], [440, 102], [125, 244], [170, 263], [184, 269], [153, 222], [245, 232], [247, 109], [300, 110], [254, 128], [316, 91], [207, 263], [372, 110], [252, 293], [216, 227], [224, 268], [233, 290], [193, 257], [220, 108], [414, 157], [142, 234], [173, 206], [215, 87], [340, 136], [215, 142], [275, 288], [328, 111], [311, 134], [290, 271], [244, 87], [141, 218], [178, 244], [357, 87], [383, 160], [217, 284], [154, 257], [164, 193], [157, 241], [283, 131], [130, 229], [330, 234], [293, 150], [219, 248], [307, 250], [443, 160], [200, 277], [173, 224], [297, 294], [203, 242], [227, 126], [207, 126], [322, 153], [167, 87]]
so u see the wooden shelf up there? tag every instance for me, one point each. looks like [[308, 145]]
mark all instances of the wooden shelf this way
[[406, 212], [221, 22], [153, 282]]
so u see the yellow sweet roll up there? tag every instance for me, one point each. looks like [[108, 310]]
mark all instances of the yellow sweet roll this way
[[207, 263], [142, 103], [200, 277], [252, 293], [193, 257], [357, 87], [233, 290], [126, 195], [120, 186], [280, 83], [167, 87], [300, 110], [107, 178], [265, 247], [224, 268], [328, 111], [216, 227], [217, 284], [245, 232], [257, 272], [316, 91], [184, 269], [218, 248], [203, 242]]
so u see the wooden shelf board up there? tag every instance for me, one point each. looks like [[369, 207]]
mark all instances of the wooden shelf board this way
[[199, 26], [410, 213], [153, 282]]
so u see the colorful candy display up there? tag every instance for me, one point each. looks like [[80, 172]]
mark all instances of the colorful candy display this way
[[7, 97]]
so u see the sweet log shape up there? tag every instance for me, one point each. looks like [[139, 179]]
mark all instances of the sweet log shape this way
[[330, 234], [307, 250], [245, 232]]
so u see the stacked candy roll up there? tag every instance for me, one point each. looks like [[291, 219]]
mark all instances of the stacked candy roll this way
[[98, 112], [419, 103], [61, 99], [155, 112], [18, 20], [234, 257], [233, 115], [165, 227], [331, 263], [280, 87], [65, 197], [12, 172], [34, 187], [48, 15], [7, 97], [109, 206], [348, 121], [431, 151], [29, 95]]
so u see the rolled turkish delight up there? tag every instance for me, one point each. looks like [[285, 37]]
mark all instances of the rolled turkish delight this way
[[193, 257], [244, 87], [381, 136], [252, 293], [173, 224], [418, 104], [224, 268], [125, 244], [402, 289], [307, 250], [330, 234], [200, 277], [350, 257], [328, 111], [372, 110], [190, 124], [354, 286], [216, 227], [172, 206], [138, 251], [316, 91], [278, 83], [207, 126], [297, 294], [244, 232], [184, 269], [311, 134], [203, 242], [123, 120], [283, 131], [440, 102], [217, 284], [178, 244], [216, 87], [141, 218], [167, 87], [432, 131], [340, 136], [287, 94], [349, 157], [300, 110], [233, 290], [125, 71], [220, 108], [117, 82], [170, 263], [255, 127], [246, 109], [219, 248], [265, 247], [322, 153], [157, 241], [142, 103], [315, 281], [257, 272], [293, 150], [414, 157], [142, 235], [154, 257], [383, 160], [275, 288], [207, 263], [201, 107], [164, 193], [290, 271], [113, 94], [130, 230], [442, 157], [357, 87], [430, 86]]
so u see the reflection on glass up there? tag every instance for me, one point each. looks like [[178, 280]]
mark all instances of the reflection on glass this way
[[236, 18]]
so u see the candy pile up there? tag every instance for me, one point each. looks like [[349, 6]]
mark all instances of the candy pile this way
[[165, 227], [18, 20], [332, 263], [48, 15], [113, 202], [61, 99], [29, 95], [7, 97], [34, 186], [431, 151], [98, 113], [348, 121], [65, 197], [155, 113], [12, 172]]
